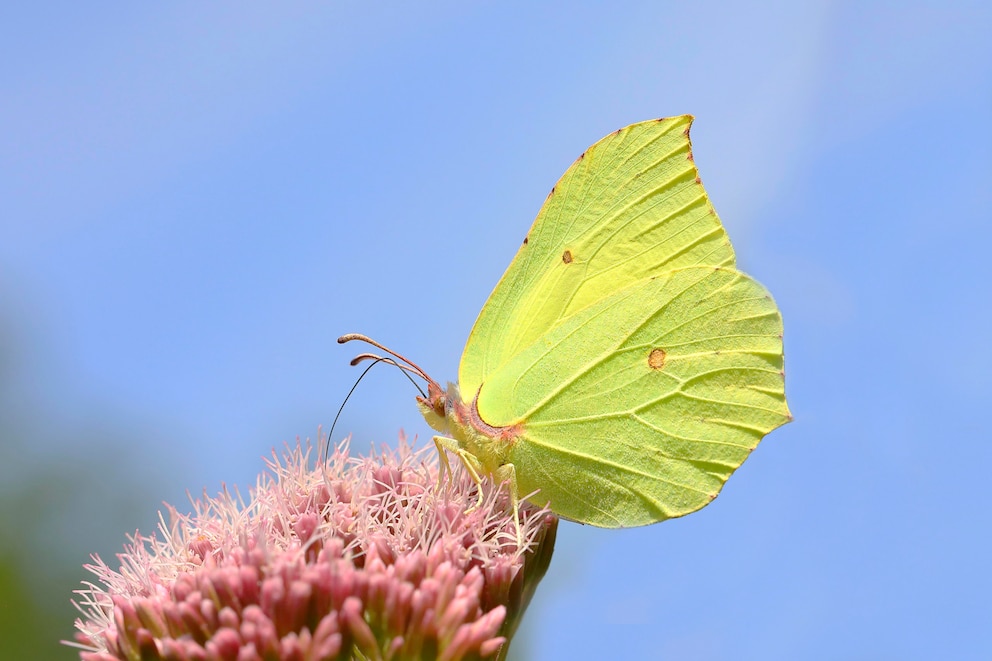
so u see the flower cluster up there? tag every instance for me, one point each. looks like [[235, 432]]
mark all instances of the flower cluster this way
[[358, 558]]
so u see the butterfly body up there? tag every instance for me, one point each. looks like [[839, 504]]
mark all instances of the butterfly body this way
[[449, 414]]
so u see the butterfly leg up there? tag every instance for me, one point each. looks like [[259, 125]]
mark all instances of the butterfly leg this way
[[469, 460], [443, 443], [507, 474]]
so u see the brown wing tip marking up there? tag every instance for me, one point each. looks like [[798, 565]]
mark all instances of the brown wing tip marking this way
[[552, 190], [526, 239], [656, 359], [698, 180], [567, 257], [690, 156]]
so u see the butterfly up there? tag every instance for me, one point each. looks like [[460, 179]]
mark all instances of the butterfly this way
[[623, 368]]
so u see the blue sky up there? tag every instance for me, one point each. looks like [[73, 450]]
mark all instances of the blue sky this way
[[196, 200]]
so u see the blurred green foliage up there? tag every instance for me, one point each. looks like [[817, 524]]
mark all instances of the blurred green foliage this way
[[27, 629], [35, 581], [60, 501]]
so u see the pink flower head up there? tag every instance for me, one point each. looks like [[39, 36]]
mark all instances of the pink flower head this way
[[359, 558]]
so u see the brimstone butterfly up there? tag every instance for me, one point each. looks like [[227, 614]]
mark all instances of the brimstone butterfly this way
[[622, 368]]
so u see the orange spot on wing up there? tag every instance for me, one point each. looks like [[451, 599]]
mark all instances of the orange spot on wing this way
[[567, 257], [656, 359]]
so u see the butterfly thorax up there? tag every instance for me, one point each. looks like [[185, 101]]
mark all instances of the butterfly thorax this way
[[449, 414]]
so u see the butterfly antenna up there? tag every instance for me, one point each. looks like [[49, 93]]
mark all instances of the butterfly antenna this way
[[414, 367], [407, 370]]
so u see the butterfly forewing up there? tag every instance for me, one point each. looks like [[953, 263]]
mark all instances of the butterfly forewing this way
[[630, 207]]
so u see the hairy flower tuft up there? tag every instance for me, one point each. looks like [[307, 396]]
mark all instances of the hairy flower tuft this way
[[364, 558]]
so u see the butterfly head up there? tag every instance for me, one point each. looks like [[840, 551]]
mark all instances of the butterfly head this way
[[434, 407]]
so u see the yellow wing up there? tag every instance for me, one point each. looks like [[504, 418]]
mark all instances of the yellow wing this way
[[640, 407], [630, 207]]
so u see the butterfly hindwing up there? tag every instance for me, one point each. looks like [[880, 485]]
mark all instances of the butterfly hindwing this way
[[638, 408]]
